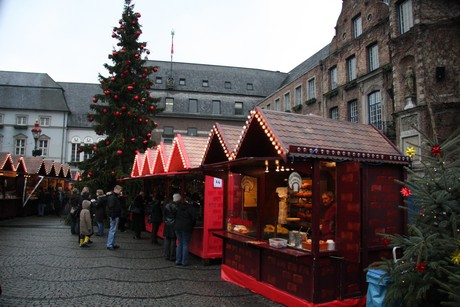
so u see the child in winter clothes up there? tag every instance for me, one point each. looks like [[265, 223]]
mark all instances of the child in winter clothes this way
[[86, 227]]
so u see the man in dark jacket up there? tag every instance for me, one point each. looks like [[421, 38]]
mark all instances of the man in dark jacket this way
[[185, 222], [156, 217], [169, 242], [114, 213]]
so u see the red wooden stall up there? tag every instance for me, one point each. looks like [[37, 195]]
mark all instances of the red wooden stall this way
[[278, 173]]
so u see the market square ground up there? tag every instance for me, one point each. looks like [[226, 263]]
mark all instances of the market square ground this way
[[41, 264]]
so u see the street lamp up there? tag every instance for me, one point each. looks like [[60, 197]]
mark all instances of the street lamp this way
[[36, 132]]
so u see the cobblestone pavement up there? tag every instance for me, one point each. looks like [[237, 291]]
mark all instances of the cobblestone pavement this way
[[41, 264]]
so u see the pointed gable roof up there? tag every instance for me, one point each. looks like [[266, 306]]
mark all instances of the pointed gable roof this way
[[147, 163], [221, 143], [160, 161], [6, 162], [288, 135], [138, 159], [186, 152], [30, 165]]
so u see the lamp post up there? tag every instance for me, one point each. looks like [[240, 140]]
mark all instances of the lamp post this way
[[36, 132]]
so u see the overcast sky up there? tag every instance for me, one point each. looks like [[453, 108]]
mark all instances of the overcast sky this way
[[71, 39]]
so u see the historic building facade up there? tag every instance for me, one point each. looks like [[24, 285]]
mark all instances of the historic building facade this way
[[393, 64]]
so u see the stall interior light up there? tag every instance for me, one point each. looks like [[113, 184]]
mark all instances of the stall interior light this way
[[266, 166], [277, 163]]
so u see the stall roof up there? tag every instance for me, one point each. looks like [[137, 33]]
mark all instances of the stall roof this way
[[291, 136], [186, 152], [6, 162], [160, 162], [138, 160], [147, 163], [221, 143]]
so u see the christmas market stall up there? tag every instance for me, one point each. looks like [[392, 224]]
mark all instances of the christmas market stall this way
[[307, 199], [8, 183]]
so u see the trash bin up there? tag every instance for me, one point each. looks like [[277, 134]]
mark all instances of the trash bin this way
[[376, 290]]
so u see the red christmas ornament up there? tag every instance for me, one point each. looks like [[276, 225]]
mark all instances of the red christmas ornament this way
[[155, 69], [117, 113], [146, 120], [90, 174], [95, 99], [107, 92], [129, 113], [155, 124], [138, 33], [112, 79], [94, 148], [122, 50], [136, 151], [149, 135], [406, 192], [107, 142], [138, 15], [128, 62], [104, 110], [133, 140], [90, 118], [147, 86], [148, 51], [142, 47], [144, 75], [143, 100], [436, 150], [114, 53], [145, 142], [420, 267], [136, 55], [115, 97], [113, 35], [152, 108], [79, 149], [130, 87], [113, 172], [119, 152], [136, 97], [123, 108], [140, 120], [386, 241], [115, 29]]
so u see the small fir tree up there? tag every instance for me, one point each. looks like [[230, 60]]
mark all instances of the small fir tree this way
[[428, 271], [124, 114]]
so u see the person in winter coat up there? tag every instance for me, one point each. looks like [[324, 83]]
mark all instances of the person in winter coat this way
[[138, 213], [169, 242], [86, 227], [74, 211], [156, 217], [99, 216], [114, 213], [185, 221]]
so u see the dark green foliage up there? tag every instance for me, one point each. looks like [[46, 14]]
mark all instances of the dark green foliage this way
[[124, 114], [428, 274]]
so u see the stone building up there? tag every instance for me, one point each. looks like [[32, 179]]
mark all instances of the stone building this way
[[393, 64]]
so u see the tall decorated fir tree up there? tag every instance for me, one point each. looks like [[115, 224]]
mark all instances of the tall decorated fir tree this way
[[428, 270], [124, 114]]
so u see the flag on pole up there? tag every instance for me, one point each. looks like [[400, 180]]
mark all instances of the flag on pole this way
[[172, 42]]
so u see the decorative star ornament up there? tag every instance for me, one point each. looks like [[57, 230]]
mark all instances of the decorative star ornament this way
[[410, 152]]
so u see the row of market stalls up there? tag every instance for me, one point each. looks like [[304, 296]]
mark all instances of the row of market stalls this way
[[260, 192], [21, 176]]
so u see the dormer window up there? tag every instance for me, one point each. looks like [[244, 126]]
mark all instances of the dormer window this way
[[205, 83]]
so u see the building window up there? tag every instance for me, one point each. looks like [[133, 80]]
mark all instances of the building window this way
[[238, 108], [298, 95], [287, 101], [228, 85], [43, 145], [205, 83], [334, 113], [158, 80], [216, 107], [353, 111], [405, 17], [375, 109], [269, 106], [351, 68], [20, 145], [357, 26], [192, 131], [193, 106], [181, 81], [373, 57], [333, 78], [169, 104], [75, 155], [277, 106], [21, 120], [168, 132], [249, 86], [311, 89], [1, 118], [45, 121]]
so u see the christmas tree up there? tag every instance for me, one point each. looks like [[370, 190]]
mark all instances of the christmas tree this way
[[427, 272], [124, 114]]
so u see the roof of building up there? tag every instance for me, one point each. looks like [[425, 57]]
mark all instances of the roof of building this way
[[79, 98], [263, 81], [31, 91]]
